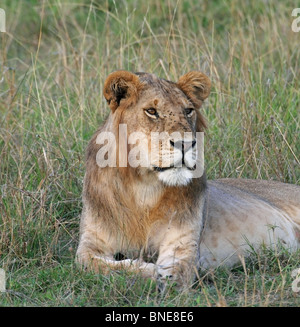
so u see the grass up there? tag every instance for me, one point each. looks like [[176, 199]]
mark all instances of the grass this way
[[54, 59]]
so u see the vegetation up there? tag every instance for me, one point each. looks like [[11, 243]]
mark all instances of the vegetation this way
[[54, 59]]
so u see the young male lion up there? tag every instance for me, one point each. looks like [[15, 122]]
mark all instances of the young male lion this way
[[164, 211]]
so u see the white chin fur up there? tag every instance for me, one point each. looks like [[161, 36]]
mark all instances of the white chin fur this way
[[175, 176]]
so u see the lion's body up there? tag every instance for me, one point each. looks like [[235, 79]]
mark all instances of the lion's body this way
[[164, 212], [244, 214]]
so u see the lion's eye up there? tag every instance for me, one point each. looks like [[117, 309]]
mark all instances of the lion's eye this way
[[189, 111], [151, 112]]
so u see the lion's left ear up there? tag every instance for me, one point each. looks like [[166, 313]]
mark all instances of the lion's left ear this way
[[121, 85], [196, 86]]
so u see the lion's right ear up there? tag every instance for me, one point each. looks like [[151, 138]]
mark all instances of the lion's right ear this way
[[196, 86], [121, 86]]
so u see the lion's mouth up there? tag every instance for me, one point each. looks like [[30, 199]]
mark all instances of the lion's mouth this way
[[161, 169]]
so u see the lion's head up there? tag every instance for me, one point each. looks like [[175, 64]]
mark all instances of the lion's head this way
[[159, 120]]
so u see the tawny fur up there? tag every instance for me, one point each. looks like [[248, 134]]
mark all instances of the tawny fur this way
[[131, 211]]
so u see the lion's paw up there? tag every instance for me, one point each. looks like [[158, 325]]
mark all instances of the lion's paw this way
[[168, 276]]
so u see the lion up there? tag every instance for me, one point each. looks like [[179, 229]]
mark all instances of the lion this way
[[158, 218]]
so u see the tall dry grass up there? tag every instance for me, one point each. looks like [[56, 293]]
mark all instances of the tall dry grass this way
[[54, 59]]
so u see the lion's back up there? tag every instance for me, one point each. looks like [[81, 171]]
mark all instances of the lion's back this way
[[284, 196]]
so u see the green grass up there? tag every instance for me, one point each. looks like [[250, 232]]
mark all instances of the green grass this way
[[54, 59]]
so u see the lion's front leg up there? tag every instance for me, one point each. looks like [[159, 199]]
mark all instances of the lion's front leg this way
[[108, 264], [96, 253], [178, 257], [104, 264]]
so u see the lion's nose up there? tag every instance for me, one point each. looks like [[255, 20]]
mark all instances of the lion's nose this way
[[184, 146]]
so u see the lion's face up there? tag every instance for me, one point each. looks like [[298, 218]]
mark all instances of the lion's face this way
[[167, 118], [161, 119]]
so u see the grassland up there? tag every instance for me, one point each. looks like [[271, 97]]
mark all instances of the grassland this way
[[54, 59]]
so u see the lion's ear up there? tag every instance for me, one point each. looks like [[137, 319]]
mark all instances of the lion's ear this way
[[196, 86], [121, 85]]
